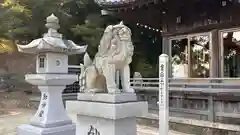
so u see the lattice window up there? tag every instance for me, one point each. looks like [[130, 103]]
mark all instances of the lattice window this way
[[42, 61]]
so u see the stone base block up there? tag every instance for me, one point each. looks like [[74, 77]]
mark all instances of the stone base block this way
[[107, 98], [33, 130], [107, 114], [107, 110]]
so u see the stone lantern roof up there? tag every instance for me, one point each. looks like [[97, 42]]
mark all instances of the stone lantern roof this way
[[52, 41]]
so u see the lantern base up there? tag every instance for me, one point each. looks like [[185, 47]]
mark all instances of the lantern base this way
[[26, 129]]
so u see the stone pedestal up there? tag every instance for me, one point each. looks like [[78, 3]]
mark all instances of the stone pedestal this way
[[107, 114]]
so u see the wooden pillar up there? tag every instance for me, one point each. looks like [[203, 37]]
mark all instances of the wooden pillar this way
[[166, 47], [211, 115], [214, 46], [189, 54]]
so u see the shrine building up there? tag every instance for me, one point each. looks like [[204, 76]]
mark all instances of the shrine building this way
[[201, 37]]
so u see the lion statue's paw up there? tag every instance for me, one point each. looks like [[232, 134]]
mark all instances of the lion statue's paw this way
[[94, 90], [129, 90], [114, 91]]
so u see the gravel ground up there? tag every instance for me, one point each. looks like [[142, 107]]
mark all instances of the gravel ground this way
[[10, 122], [17, 117], [12, 114]]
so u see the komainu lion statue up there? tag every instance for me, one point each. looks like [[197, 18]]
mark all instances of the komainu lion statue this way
[[114, 54]]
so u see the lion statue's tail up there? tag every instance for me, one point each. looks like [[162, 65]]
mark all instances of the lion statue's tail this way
[[86, 62]]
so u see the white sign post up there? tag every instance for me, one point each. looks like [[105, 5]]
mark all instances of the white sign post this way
[[163, 95]]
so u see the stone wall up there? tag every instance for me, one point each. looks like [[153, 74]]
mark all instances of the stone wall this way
[[196, 113], [218, 107]]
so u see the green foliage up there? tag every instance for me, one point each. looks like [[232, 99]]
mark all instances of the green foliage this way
[[80, 21], [91, 36], [146, 69], [19, 17]]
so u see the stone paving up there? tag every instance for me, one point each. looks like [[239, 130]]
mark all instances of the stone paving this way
[[8, 123]]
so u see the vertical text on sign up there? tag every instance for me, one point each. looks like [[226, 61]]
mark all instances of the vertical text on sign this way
[[161, 83]]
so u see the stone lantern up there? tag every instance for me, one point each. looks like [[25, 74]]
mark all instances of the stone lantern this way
[[52, 76]]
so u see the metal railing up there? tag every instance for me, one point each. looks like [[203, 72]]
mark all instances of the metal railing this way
[[75, 87], [208, 85]]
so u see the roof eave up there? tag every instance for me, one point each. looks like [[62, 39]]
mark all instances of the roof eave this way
[[120, 4]]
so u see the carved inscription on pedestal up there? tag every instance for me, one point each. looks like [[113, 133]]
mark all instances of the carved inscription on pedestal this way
[[93, 131], [45, 96], [41, 114], [43, 105]]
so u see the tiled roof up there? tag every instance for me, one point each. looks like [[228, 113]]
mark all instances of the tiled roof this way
[[120, 3]]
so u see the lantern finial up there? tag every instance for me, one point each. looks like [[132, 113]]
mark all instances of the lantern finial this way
[[52, 22]]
